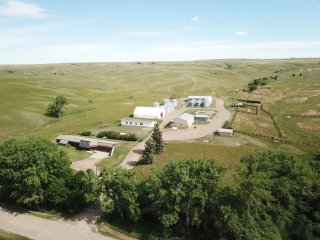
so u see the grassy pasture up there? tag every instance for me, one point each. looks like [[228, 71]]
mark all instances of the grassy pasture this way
[[99, 93]]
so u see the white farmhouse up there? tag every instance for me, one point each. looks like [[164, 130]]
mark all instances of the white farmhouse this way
[[137, 122]]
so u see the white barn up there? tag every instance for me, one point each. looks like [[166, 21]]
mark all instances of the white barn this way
[[149, 112], [137, 122]]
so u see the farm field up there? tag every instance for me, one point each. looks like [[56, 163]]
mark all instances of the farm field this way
[[98, 95]]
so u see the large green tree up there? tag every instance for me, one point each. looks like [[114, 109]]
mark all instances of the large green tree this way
[[270, 198], [180, 191], [55, 109], [156, 136], [29, 166], [119, 190]]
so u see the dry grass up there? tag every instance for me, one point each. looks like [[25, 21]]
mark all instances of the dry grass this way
[[5, 235]]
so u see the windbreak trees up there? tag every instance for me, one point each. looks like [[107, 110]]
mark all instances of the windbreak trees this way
[[180, 191], [272, 196]]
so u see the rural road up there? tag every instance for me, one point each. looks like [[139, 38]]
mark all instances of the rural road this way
[[43, 229], [182, 134]]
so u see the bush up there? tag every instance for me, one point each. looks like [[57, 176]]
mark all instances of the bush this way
[[85, 133], [117, 135]]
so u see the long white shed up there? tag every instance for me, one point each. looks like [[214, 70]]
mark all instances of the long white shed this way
[[149, 112]]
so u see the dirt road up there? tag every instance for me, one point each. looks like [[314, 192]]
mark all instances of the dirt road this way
[[182, 134], [43, 229]]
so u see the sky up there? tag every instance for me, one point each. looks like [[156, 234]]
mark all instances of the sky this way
[[43, 31]]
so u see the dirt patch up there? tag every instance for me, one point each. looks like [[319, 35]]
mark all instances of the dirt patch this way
[[311, 112], [307, 127]]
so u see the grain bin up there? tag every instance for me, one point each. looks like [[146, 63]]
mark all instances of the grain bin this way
[[156, 104], [175, 102], [165, 101], [206, 103], [199, 102]]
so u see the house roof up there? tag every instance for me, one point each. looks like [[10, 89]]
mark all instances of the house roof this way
[[137, 120], [185, 116], [93, 142], [201, 116]]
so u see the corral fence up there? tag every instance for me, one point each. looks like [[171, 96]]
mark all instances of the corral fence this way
[[273, 120], [301, 115], [282, 140]]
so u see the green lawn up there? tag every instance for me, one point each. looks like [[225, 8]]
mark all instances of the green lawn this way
[[5, 235], [75, 154], [119, 154]]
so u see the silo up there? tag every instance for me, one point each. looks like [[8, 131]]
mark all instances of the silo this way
[[192, 102], [199, 102], [175, 102], [206, 103], [165, 101], [170, 106], [156, 104]]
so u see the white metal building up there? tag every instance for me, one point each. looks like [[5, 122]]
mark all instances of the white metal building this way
[[183, 120], [137, 122], [204, 101], [225, 132], [149, 112]]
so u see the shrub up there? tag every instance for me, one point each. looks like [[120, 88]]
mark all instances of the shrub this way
[[85, 133], [117, 136]]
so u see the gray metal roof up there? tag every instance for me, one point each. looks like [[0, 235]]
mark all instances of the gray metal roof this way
[[137, 120], [201, 116], [185, 116], [92, 141]]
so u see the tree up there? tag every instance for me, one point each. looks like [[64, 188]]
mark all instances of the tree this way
[[148, 153], [157, 138], [55, 109], [227, 125], [119, 192], [28, 167], [271, 198], [180, 191]]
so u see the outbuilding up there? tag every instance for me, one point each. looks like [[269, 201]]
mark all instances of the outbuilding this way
[[87, 143], [183, 120], [225, 132], [202, 118], [199, 101], [149, 112], [137, 122]]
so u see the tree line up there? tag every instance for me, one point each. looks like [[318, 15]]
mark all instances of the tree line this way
[[272, 195]]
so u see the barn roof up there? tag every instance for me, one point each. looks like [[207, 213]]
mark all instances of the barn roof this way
[[148, 110], [96, 142], [185, 116], [138, 120]]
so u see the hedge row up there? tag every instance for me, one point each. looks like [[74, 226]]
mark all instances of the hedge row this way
[[117, 135]]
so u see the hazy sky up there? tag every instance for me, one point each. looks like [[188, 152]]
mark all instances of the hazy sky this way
[[47, 31]]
